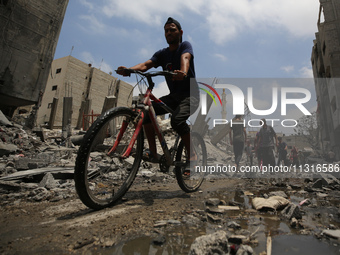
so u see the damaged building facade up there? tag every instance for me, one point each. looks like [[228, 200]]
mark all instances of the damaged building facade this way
[[29, 34], [326, 70], [82, 91]]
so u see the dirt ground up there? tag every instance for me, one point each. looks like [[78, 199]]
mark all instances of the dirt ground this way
[[69, 227]]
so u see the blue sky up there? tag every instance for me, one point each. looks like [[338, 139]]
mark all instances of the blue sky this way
[[231, 39], [243, 38]]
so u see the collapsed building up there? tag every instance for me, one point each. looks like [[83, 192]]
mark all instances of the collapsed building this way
[[55, 93], [326, 70], [29, 35]]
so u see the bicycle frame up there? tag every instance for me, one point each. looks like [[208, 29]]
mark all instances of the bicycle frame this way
[[147, 108]]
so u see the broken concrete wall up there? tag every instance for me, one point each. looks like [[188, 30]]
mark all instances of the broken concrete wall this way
[[87, 85], [29, 35]]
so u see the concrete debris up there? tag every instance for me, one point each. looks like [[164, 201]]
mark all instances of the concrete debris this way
[[214, 218], [191, 220], [7, 149], [159, 240], [39, 168], [317, 184], [228, 208], [237, 239], [215, 210], [4, 121], [40, 194], [245, 250], [234, 225], [272, 203], [213, 201], [291, 211], [48, 182], [294, 223], [216, 243], [278, 193], [10, 186], [332, 233]]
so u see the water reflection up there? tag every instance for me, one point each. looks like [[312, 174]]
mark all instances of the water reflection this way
[[178, 238]]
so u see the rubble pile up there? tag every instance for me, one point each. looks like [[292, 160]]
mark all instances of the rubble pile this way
[[35, 165], [38, 166]]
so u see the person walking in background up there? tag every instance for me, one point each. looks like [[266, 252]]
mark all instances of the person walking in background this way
[[237, 136], [294, 156], [257, 149], [266, 143], [249, 152], [282, 149]]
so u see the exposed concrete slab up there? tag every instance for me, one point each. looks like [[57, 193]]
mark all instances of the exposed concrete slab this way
[[32, 172]]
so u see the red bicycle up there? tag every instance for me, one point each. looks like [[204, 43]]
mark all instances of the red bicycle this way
[[112, 149]]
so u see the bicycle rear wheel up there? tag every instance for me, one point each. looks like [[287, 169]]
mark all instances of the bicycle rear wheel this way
[[103, 177], [187, 177]]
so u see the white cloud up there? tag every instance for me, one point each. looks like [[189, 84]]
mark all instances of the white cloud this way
[[148, 11], [287, 69], [224, 20], [306, 72], [93, 25], [161, 89], [105, 67], [87, 57], [221, 57], [227, 19], [87, 4], [145, 53]]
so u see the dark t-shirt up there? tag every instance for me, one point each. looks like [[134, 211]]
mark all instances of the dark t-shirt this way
[[282, 147], [170, 61], [238, 131], [267, 136]]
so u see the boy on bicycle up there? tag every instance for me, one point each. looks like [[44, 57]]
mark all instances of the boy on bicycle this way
[[184, 95]]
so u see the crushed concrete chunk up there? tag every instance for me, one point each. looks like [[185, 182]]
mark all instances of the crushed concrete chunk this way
[[272, 203], [216, 243]]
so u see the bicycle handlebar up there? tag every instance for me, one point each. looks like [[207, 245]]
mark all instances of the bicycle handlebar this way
[[147, 74]]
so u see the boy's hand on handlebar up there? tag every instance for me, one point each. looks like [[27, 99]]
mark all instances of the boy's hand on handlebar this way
[[122, 71], [179, 75]]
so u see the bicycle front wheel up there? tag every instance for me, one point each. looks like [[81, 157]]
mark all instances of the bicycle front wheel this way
[[188, 178], [102, 176]]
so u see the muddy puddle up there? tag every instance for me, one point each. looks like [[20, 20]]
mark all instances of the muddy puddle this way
[[302, 245], [282, 245], [177, 238]]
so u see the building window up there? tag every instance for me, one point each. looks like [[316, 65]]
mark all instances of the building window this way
[[58, 70], [54, 87], [49, 106]]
